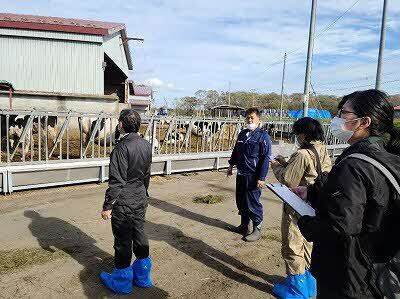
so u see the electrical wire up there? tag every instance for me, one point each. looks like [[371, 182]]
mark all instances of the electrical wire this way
[[326, 29], [360, 86]]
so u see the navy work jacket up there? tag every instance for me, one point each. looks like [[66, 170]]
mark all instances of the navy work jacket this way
[[251, 153]]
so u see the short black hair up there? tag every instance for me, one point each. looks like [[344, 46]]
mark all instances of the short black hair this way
[[253, 110], [130, 120], [311, 128]]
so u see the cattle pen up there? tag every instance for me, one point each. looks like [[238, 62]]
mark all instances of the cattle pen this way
[[43, 149]]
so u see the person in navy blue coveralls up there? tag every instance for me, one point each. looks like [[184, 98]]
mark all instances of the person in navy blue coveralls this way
[[251, 157]]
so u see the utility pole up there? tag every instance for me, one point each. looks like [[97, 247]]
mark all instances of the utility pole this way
[[306, 94], [253, 91], [283, 83], [229, 94], [381, 47]]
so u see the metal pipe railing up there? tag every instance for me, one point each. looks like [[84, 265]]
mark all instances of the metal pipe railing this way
[[41, 136]]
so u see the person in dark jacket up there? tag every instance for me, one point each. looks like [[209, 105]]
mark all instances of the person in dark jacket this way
[[125, 204], [251, 157], [357, 218]]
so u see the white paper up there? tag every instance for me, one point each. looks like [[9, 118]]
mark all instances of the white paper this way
[[295, 202]]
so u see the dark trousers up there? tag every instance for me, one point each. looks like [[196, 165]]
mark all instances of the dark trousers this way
[[248, 198], [128, 230]]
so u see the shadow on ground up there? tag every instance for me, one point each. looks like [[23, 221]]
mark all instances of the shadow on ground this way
[[52, 232], [201, 251], [180, 211]]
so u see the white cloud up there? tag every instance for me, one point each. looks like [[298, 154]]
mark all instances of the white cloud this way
[[154, 82], [158, 83]]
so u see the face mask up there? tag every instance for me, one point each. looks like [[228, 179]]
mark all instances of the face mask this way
[[252, 127], [338, 130]]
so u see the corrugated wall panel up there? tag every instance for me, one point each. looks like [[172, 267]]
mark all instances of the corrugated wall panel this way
[[114, 48], [52, 65]]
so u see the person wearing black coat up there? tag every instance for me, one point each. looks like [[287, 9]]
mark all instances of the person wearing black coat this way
[[357, 218], [125, 203]]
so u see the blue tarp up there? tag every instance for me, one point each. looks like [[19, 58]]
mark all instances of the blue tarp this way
[[312, 112]]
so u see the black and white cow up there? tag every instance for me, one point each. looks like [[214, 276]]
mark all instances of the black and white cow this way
[[17, 124], [87, 125], [106, 128]]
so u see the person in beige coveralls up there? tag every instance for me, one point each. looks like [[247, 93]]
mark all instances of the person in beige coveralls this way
[[300, 170]]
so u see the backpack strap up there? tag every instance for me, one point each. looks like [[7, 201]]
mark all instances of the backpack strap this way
[[380, 166], [319, 167]]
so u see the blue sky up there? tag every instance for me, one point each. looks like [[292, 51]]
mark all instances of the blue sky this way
[[191, 45]]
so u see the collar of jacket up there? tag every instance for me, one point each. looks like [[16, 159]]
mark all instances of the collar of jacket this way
[[255, 131], [129, 136], [367, 146]]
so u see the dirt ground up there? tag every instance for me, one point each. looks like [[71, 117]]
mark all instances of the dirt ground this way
[[53, 243]]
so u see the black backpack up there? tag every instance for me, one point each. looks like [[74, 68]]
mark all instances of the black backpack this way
[[387, 275]]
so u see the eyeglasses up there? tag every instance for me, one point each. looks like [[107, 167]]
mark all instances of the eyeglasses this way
[[343, 112]]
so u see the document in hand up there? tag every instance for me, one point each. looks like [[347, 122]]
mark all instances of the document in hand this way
[[295, 202]]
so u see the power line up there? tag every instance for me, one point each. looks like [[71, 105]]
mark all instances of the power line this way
[[356, 66], [360, 86], [327, 28], [359, 79]]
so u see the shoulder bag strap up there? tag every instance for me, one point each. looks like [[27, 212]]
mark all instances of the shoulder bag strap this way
[[381, 168], [319, 167]]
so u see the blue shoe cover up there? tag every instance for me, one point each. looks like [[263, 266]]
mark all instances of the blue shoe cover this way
[[119, 281], [311, 284], [293, 287], [141, 272]]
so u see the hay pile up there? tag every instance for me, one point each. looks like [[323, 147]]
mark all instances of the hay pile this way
[[12, 260], [208, 199]]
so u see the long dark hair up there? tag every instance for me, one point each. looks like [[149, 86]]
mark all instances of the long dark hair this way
[[375, 104]]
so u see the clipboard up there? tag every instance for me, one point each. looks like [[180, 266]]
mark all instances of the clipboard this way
[[295, 202]]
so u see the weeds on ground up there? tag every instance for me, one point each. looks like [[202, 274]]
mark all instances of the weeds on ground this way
[[11, 260], [208, 199]]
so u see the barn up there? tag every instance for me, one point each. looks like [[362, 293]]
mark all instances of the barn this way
[[61, 64]]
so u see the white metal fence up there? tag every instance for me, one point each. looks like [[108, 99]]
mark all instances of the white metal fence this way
[[39, 137], [43, 149]]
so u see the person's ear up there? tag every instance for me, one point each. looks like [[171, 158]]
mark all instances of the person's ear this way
[[365, 122]]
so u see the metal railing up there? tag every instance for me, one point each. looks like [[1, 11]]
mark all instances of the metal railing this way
[[41, 136], [35, 137]]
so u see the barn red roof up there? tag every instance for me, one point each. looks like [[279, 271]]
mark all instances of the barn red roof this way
[[8, 20], [142, 90]]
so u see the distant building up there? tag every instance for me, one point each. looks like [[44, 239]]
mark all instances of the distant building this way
[[67, 64], [227, 111]]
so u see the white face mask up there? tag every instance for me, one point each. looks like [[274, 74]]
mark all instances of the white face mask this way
[[339, 131], [252, 127]]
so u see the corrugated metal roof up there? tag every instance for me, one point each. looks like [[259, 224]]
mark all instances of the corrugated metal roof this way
[[227, 107], [44, 23], [141, 90]]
